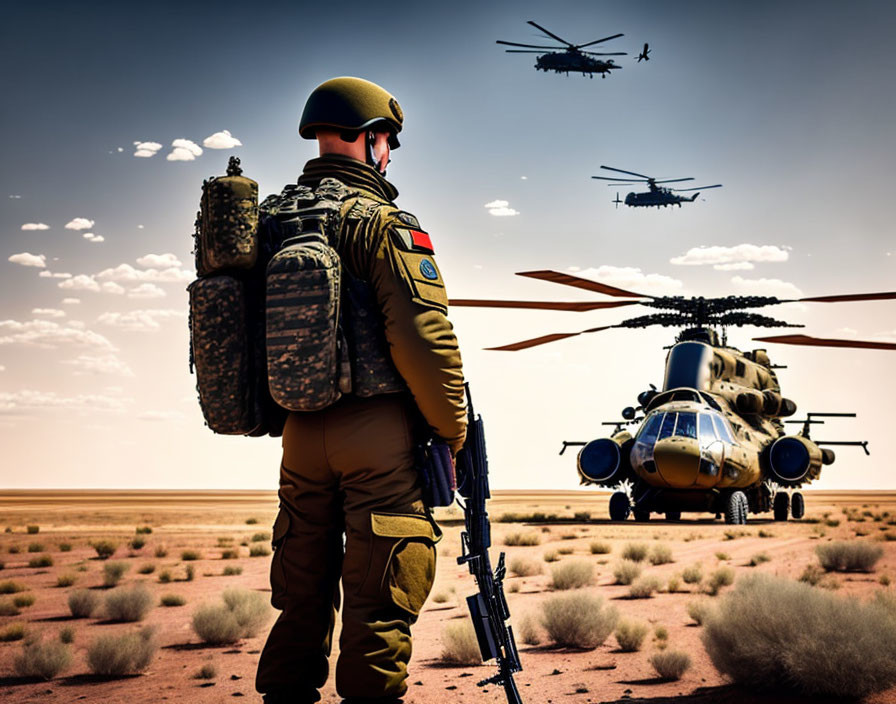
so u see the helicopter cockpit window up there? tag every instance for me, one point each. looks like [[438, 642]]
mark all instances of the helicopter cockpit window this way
[[707, 429], [722, 429], [650, 429], [687, 425], [667, 427]]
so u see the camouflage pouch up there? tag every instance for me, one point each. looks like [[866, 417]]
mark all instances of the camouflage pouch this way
[[306, 353], [227, 223]]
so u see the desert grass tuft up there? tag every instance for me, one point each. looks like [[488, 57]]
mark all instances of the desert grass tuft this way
[[626, 571], [32, 530], [7, 608], [172, 600], [231, 571], [259, 550], [660, 554], [148, 568], [14, 631], [643, 587], [551, 556], [846, 556], [10, 587], [187, 555], [636, 552], [599, 547], [67, 635], [128, 603], [206, 672], [113, 572], [41, 561], [518, 538], [529, 631], [44, 659], [35, 547], [260, 537], [698, 609], [83, 603], [670, 664], [572, 575], [578, 620], [143, 530], [241, 615], [459, 644], [722, 577], [119, 655], [137, 543], [521, 567], [812, 641], [104, 548], [630, 635], [24, 600], [66, 580], [758, 559]]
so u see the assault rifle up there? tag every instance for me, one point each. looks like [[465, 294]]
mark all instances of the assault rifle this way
[[488, 607]]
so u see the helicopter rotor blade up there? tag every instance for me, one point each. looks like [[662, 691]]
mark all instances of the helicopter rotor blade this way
[[847, 297], [605, 53], [543, 340], [698, 188], [576, 306], [626, 180], [578, 282], [530, 46], [826, 342], [673, 180], [550, 34], [623, 171], [598, 41], [524, 51]]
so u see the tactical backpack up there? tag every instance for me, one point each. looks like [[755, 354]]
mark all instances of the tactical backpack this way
[[276, 322]]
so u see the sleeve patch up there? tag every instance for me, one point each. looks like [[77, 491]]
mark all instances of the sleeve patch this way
[[408, 219], [412, 240]]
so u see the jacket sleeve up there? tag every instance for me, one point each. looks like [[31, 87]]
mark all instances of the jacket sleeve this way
[[411, 295]]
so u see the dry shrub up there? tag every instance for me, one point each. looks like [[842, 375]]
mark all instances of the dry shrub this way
[[186, 555], [674, 584], [172, 600], [143, 530], [643, 587], [578, 620], [7, 608], [206, 672], [230, 554], [66, 580], [35, 547], [637, 552], [231, 571], [115, 656], [82, 603], [260, 537], [136, 543], [10, 587], [848, 556], [241, 615], [566, 551], [551, 556], [113, 572], [41, 561], [259, 550], [817, 577], [660, 554], [670, 664], [104, 548], [630, 635], [528, 630], [572, 575], [811, 641], [14, 631], [699, 609], [67, 634], [722, 577], [161, 551], [148, 568], [65, 547], [128, 604], [599, 547], [20, 601], [33, 529], [626, 571], [513, 539], [758, 559], [521, 567], [459, 644], [42, 659]]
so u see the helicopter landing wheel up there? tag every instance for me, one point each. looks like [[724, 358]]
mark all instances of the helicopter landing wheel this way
[[797, 505], [620, 506], [673, 516], [736, 508], [641, 516], [782, 506]]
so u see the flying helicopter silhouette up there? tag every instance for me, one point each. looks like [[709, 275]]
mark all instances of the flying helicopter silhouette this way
[[656, 195], [569, 57], [713, 439], [643, 56]]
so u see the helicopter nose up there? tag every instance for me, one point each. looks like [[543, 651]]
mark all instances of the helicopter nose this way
[[677, 461]]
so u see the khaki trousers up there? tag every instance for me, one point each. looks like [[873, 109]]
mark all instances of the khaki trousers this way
[[348, 469]]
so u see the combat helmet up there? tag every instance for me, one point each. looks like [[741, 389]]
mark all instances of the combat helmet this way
[[349, 103]]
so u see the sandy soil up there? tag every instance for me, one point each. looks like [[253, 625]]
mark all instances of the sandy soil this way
[[210, 522]]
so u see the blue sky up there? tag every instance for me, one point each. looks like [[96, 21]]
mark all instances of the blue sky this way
[[788, 104]]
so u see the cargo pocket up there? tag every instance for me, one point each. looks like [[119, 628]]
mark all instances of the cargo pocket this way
[[278, 573], [402, 559]]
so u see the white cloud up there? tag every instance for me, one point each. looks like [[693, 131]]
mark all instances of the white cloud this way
[[735, 266], [112, 287], [47, 274], [48, 312], [628, 277], [28, 259], [766, 287], [524, 178], [148, 320], [35, 225], [100, 364], [16, 197], [119, 149], [146, 291], [70, 301], [50, 335], [28, 399], [697, 256], [159, 261], [160, 415], [79, 224], [184, 150], [146, 150], [221, 140], [77, 324], [90, 237], [500, 208], [81, 282], [125, 272]]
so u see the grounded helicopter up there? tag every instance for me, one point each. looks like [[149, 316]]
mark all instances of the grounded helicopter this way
[[712, 440], [569, 57], [657, 195]]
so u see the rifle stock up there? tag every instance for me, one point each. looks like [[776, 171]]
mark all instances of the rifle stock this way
[[488, 607]]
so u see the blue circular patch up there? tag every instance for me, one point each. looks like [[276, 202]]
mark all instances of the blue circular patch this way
[[428, 270]]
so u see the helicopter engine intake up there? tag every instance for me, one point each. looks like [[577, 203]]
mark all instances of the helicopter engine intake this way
[[605, 461], [794, 460]]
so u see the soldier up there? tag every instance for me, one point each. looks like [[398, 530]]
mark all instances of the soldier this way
[[350, 468]]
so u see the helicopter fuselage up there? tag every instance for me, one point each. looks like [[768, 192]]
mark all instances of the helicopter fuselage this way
[[659, 197], [573, 61]]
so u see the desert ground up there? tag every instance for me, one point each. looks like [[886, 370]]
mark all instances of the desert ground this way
[[562, 524]]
